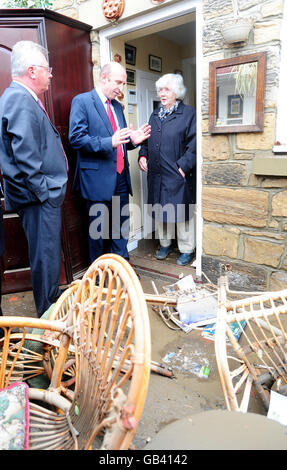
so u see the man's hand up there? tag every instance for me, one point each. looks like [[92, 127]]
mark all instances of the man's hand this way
[[121, 136], [138, 136], [143, 163]]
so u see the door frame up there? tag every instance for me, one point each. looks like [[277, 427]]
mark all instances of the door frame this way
[[152, 18], [141, 75]]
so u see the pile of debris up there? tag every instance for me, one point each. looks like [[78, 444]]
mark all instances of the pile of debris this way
[[186, 305]]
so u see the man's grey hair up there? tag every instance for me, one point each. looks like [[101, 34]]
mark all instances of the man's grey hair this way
[[175, 82], [24, 54]]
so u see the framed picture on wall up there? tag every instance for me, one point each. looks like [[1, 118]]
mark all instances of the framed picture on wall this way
[[130, 54], [155, 63], [131, 76]]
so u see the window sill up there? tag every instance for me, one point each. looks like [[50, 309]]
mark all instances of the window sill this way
[[271, 166]]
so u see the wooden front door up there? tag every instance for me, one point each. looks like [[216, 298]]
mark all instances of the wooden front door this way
[[69, 50]]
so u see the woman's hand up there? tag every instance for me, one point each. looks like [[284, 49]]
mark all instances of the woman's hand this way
[[143, 163]]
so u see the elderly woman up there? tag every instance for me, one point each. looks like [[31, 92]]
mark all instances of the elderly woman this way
[[169, 157]]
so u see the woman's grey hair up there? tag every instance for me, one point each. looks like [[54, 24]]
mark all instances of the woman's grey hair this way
[[24, 54], [175, 82]]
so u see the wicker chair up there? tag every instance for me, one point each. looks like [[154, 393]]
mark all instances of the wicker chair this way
[[109, 322], [258, 359], [112, 349]]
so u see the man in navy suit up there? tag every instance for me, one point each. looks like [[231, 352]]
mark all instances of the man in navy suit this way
[[34, 167], [99, 133]]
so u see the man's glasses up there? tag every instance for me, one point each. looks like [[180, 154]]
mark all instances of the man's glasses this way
[[49, 69]]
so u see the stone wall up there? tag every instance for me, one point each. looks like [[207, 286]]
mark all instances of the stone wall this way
[[244, 215]]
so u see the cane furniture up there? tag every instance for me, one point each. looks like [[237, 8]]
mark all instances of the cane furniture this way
[[108, 328], [256, 361]]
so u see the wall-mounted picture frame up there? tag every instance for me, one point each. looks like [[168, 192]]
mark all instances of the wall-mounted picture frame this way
[[155, 63], [130, 54], [236, 94], [131, 76]]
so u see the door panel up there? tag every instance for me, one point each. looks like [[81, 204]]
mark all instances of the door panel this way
[[16, 277]]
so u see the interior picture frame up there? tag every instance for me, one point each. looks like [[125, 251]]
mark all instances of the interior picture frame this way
[[235, 121], [130, 54], [131, 77], [155, 63], [234, 106]]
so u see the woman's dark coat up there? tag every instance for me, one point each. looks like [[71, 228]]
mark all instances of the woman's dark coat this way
[[172, 144]]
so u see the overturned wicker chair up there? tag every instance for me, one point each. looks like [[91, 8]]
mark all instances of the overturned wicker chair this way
[[107, 327], [257, 360]]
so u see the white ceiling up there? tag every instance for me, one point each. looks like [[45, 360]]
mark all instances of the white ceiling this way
[[182, 35]]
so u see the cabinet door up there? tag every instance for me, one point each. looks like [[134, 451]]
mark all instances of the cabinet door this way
[[17, 276]]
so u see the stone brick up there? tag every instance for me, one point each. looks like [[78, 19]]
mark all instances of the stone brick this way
[[275, 7], [266, 32], [278, 280], [235, 206], [58, 4], [279, 204], [71, 13], [243, 156], [275, 235], [262, 252], [275, 182], [215, 8], [215, 147], [219, 241], [228, 174], [242, 276], [258, 140]]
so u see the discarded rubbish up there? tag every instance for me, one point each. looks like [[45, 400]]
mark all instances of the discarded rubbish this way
[[186, 361], [209, 330], [194, 304], [204, 307]]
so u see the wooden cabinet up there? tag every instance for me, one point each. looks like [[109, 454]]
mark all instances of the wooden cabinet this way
[[68, 43]]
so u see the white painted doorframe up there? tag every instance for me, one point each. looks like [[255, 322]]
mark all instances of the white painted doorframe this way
[[152, 18]]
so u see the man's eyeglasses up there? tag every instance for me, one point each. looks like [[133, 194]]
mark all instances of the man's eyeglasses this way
[[49, 69]]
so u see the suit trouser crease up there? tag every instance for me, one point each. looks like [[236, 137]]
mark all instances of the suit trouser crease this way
[[116, 225], [42, 225]]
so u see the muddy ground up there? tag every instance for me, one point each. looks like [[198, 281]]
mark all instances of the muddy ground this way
[[168, 399]]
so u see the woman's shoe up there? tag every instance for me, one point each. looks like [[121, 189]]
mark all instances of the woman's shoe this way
[[185, 258], [164, 252]]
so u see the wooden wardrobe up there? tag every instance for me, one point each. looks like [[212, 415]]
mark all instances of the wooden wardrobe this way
[[68, 43]]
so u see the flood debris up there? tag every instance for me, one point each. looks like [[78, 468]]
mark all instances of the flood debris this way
[[187, 305]]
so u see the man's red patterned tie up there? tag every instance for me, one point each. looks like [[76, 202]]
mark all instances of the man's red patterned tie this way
[[120, 155]]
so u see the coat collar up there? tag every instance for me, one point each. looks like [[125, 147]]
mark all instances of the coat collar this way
[[172, 116]]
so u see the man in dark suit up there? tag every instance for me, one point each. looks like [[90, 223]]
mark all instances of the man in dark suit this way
[[99, 133], [34, 167]]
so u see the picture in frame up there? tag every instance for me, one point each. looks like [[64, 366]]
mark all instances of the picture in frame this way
[[155, 63], [131, 76], [130, 54], [235, 106]]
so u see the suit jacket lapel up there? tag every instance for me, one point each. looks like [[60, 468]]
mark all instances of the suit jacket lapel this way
[[14, 84], [101, 110]]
